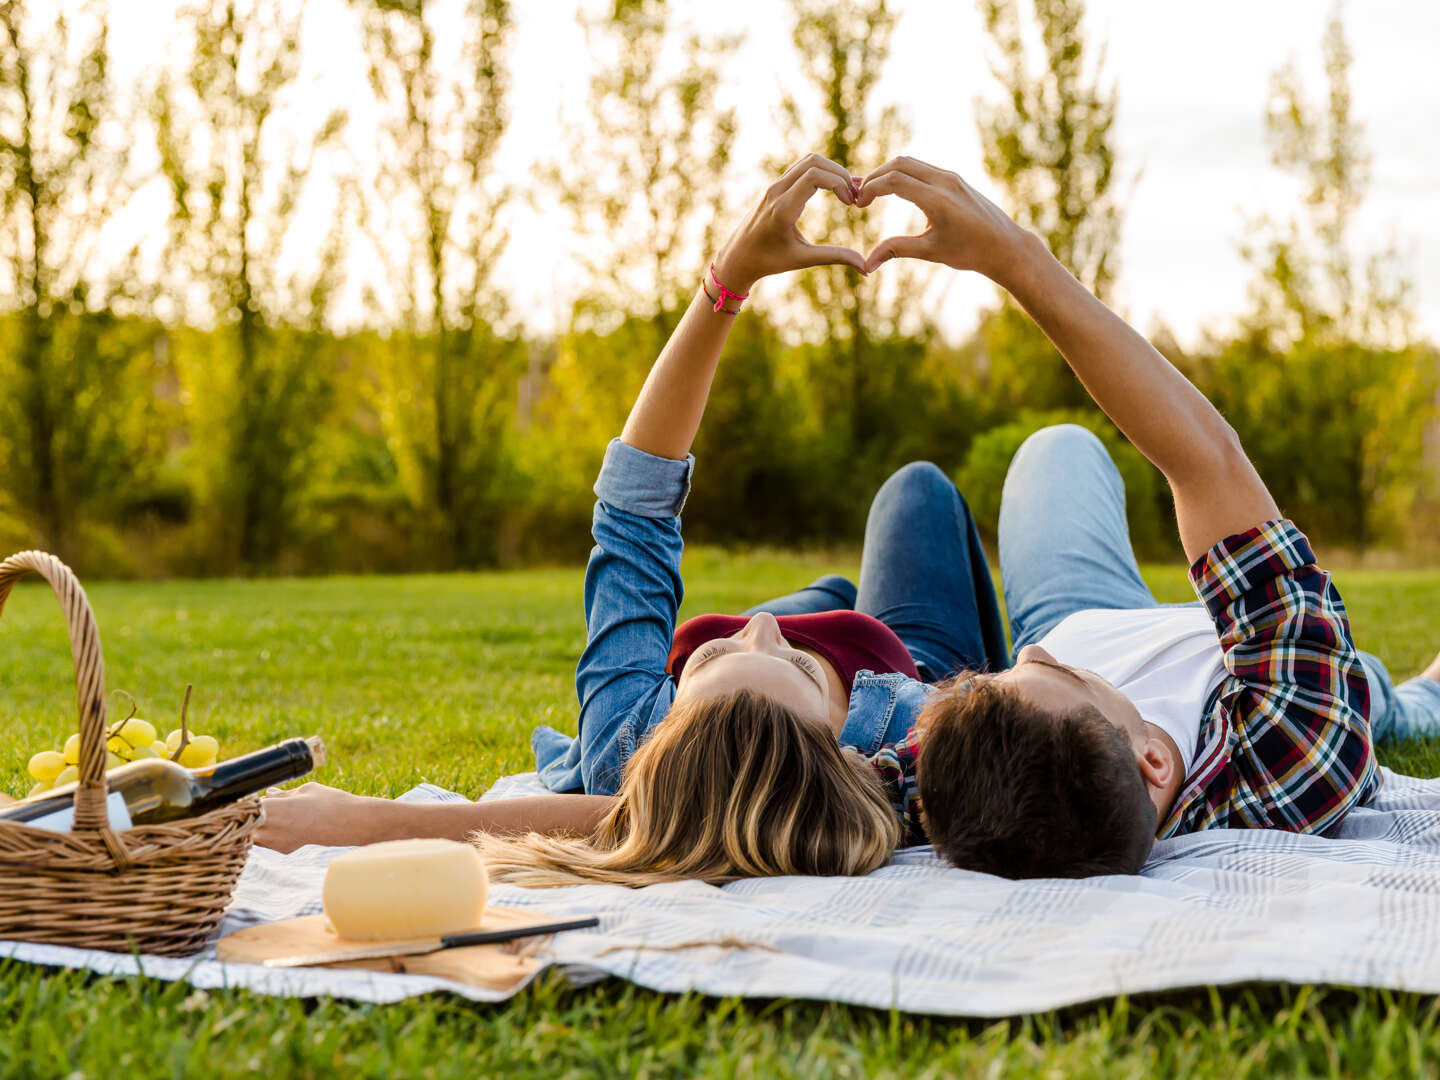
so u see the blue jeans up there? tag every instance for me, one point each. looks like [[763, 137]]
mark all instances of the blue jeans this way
[[923, 574], [1065, 547]]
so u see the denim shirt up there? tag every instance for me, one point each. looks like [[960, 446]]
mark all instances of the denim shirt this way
[[632, 594]]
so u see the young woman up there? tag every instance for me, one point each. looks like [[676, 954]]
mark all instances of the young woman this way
[[713, 751]]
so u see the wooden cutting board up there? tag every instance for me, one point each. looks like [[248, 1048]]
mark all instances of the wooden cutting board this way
[[495, 967]]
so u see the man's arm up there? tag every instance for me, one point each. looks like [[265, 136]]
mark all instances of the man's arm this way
[[633, 587], [1217, 491]]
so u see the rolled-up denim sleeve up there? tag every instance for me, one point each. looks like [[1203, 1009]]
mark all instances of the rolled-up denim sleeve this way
[[632, 593]]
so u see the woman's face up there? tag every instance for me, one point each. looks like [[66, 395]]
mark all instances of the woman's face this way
[[757, 657]]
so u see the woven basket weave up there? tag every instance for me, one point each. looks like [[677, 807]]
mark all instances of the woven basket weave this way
[[157, 889]]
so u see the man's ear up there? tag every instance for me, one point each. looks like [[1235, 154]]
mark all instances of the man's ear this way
[[1155, 764]]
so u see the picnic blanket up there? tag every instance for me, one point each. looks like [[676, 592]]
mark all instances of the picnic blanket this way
[[1226, 906]]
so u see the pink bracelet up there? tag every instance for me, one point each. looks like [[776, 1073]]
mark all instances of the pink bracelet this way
[[724, 293]]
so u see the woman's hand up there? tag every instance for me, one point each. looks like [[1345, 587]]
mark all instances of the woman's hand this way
[[316, 814], [963, 229], [769, 241]]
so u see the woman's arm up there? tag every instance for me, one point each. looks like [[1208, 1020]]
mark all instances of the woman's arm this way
[[632, 583], [1217, 491], [667, 413], [316, 814]]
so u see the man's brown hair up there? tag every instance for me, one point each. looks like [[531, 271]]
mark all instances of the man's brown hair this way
[[1010, 789]]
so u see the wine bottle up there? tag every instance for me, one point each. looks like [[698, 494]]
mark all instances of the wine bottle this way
[[155, 790]]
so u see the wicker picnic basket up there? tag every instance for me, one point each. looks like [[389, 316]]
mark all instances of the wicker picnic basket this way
[[157, 889]]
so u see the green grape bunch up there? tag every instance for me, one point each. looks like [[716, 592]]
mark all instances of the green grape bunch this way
[[131, 739]]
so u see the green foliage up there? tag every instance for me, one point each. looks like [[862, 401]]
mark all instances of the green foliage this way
[[773, 462], [588, 388], [982, 478], [760, 477], [1337, 430], [209, 417], [252, 421], [1017, 367], [464, 665]]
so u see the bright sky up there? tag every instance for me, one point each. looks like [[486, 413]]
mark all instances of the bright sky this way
[[1192, 83]]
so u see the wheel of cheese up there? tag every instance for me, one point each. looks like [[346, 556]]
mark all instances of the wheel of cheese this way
[[405, 889]]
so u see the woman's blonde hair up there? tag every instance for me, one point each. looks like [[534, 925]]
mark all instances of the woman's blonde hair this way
[[725, 788]]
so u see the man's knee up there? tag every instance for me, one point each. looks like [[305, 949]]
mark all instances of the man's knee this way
[[1066, 451], [1061, 440]]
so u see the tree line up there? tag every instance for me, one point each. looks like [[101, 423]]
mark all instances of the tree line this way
[[201, 414]]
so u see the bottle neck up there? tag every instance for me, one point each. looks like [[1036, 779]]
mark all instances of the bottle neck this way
[[249, 773]]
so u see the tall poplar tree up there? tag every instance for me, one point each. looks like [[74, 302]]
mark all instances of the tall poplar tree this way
[[644, 180], [447, 384], [643, 175], [1049, 147], [1324, 380], [841, 50], [237, 173], [66, 386], [1311, 282]]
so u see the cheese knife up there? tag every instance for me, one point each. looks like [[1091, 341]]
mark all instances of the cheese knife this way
[[428, 945]]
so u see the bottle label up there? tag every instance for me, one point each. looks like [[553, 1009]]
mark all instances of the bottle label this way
[[64, 820]]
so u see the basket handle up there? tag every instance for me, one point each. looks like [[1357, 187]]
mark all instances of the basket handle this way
[[89, 676]]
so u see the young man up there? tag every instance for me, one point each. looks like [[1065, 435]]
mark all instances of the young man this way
[[1123, 719]]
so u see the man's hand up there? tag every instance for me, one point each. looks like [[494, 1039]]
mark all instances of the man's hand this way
[[963, 228]]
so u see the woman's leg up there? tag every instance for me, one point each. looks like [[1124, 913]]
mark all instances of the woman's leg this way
[[1408, 711], [832, 592], [1064, 542], [924, 575]]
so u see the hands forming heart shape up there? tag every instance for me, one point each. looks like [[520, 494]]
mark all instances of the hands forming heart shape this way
[[963, 229]]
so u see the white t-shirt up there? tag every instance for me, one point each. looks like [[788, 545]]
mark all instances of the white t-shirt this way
[[1167, 660]]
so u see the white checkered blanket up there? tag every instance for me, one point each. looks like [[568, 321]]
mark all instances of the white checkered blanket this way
[[1227, 906]]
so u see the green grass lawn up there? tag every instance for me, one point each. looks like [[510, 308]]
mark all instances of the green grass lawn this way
[[440, 679]]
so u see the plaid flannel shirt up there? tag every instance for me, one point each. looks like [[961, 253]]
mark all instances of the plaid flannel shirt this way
[[1285, 740]]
